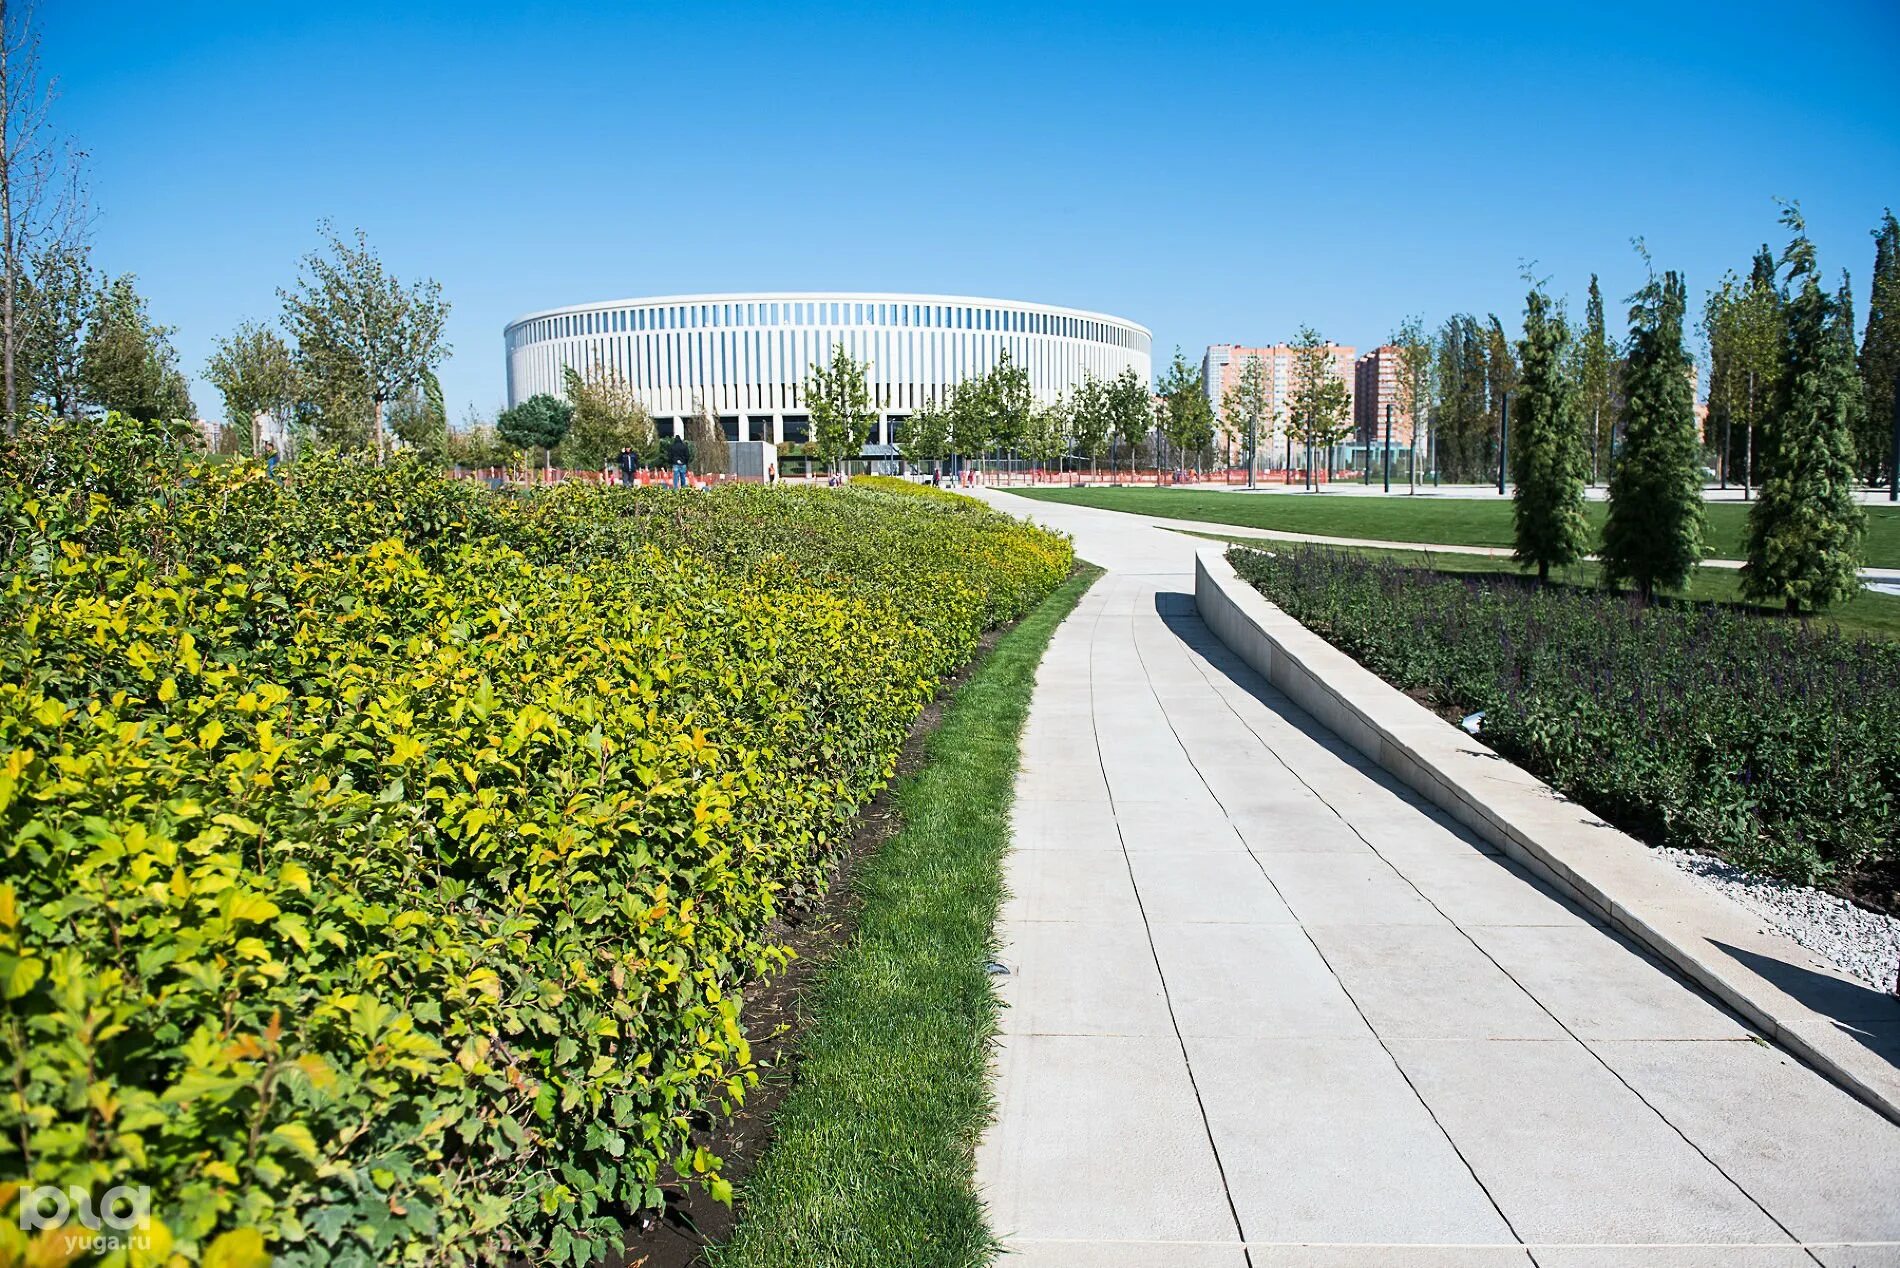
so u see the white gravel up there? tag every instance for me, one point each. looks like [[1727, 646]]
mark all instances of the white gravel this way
[[1863, 943]]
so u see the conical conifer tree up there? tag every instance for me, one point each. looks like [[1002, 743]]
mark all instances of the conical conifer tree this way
[[1880, 354], [1548, 463], [1653, 535], [1804, 532]]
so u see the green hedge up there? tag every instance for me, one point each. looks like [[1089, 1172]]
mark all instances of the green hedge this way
[[1769, 740], [385, 858]]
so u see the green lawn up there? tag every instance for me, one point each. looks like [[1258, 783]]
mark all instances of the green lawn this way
[[1874, 615], [872, 1157], [1438, 521]]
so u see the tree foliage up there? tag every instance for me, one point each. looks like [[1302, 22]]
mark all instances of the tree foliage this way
[[708, 444], [362, 336], [1090, 421], [838, 398], [607, 417], [540, 422], [1319, 402], [1742, 321], [1460, 420], [1596, 381], [1130, 412], [1243, 408], [1804, 530], [1187, 418], [127, 364], [1547, 460], [1653, 535], [1416, 382], [1880, 355], [55, 301], [255, 372]]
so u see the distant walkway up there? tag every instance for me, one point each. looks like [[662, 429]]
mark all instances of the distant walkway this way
[[1267, 1009]]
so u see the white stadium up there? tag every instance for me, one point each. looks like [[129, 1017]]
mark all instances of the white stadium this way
[[746, 357]]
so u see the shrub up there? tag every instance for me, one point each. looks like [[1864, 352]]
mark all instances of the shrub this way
[[385, 859], [1768, 740]]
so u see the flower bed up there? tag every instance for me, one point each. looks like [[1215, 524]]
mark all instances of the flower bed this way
[[384, 858], [1769, 741]]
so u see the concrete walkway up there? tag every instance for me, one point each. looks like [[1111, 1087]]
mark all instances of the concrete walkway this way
[[1265, 1008]]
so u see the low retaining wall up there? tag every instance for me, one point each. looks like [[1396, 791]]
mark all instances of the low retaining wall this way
[[1711, 940]]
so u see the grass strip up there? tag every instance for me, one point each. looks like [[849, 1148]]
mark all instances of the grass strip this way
[[1868, 613], [873, 1153], [1437, 521]]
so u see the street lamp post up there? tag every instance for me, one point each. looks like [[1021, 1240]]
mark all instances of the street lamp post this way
[[1504, 438], [1893, 462], [1388, 446]]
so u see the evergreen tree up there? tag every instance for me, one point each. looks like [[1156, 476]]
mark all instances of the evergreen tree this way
[[1804, 531], [1500, 381], [1880, 354], [1653, 536], [1547, 460], [540, 422]]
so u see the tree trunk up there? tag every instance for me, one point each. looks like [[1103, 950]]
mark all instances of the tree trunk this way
[[378, 401]]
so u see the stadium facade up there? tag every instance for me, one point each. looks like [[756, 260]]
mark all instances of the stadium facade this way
[[746, 357]]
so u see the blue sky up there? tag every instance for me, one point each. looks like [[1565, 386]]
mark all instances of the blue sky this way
[[1217, 173]]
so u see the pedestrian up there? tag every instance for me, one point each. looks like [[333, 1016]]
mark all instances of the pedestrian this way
[[270, 459], [771, 473], [628, 464]]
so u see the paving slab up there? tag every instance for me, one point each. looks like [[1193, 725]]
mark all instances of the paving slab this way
[[1099, 1138], [1486, 889], [1252, 981], [1601, 986], [1206, 886], [1069, 885], [1569, 1153], [1429, 982], [1350, 889], [1323, 1140], [1080, 977], [1800, 1146]]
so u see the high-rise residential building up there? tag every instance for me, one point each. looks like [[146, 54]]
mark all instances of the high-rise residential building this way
[[1375, 385], [1221, 368]]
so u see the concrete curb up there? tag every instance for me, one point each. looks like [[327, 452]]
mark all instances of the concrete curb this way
[[1708, 938]]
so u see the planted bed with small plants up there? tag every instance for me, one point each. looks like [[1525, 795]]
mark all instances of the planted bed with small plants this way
[[1768, 740]]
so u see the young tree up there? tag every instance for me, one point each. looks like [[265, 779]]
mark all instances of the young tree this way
[[1130, 412], [1742, 322], [255, 372], [55, 299], [926, 436], [1319, 404], [1804, 530], [540, 422], [1047, 438], [1089, 418], [1243, 408], [353, 319], [1653, 536], [127, 363], [1187, 419], [1417, 360], [1880, 355], [420, 419], [839, 401], [710, 455], [1459, 414], [1547, 462], [1595, 380], [41, 206], [1010, 403], [607, 417]]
